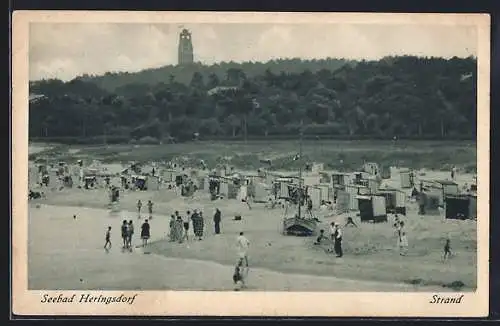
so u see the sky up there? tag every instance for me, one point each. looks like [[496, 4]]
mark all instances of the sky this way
[[68, 50]]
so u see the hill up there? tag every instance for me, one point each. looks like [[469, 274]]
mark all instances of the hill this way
[[113, 81]]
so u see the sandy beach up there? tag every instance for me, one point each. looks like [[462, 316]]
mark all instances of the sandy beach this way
[[67, 254]]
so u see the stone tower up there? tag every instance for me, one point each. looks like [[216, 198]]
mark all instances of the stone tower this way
[[185, 48]]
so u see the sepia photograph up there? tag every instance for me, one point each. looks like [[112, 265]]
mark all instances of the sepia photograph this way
[[292, 154]]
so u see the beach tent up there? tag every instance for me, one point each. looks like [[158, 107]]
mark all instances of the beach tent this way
[[90, 182], [395, 200], [460, 206], [168, 175], [32, 175], [232, 190], [359, 177], [317, 167], [214, 185], [385, 172], [281, 185], [53, 178], [449, 187], [243, 193], [314, 193], [371, 183], [372, 208], [406, 180], [201, 182], [326, 192], [343, 204], [352, 191], [371, 168], [140, 182], [68, 181], [153, 183], [224, 189], [311, 180], [429, 202], [341, 179]]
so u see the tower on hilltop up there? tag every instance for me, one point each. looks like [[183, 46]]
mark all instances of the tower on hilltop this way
[[185, 48]]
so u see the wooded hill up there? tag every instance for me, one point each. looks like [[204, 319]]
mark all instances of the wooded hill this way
[[406, 97]]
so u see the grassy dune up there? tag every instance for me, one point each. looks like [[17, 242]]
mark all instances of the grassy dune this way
[[334, 154]]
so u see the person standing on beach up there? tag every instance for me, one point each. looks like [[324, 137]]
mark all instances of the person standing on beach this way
[[180, 235], [217, 219], [124, 230], [130, 234], [338, 241], [150, 209], [108, 239], [172, 234], [242, 245], [139, 206], [197, 224], [145, 233], [403, 244]]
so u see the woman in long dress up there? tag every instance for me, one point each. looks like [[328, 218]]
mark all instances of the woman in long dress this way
[[197, 225], [145, 233]]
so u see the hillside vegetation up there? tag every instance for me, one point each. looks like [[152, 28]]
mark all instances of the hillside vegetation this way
[[406, 97]]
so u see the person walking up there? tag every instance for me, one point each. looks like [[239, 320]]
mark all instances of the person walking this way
[[217, 220], [107, 244]]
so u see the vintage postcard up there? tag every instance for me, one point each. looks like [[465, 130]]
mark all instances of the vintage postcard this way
[[250, 164]]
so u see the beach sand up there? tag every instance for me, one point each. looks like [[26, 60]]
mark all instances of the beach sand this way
[[67, 254]]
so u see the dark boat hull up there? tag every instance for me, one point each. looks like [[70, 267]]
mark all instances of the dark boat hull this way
[[299, 226]]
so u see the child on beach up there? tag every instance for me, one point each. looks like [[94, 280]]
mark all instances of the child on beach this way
[[238, 276], [108, 239], [447, 250]]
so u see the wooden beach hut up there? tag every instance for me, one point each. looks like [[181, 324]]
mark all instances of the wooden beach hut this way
[[371, 168], [460, 207], [429, 202], [341, 179], [395, 200], [407, 180], [372, 208]]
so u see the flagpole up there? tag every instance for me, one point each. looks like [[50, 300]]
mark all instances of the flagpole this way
[[300, 167]]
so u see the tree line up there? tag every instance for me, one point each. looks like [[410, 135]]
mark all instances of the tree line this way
[[405, 97]]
